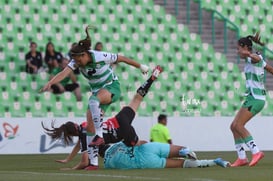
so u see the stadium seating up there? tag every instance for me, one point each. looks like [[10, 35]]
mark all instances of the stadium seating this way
[[250, 16], [194, 72]]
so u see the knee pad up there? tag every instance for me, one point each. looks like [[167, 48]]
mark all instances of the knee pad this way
[[94, 107]]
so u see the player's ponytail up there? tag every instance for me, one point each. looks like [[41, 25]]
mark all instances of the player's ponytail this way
[[257, 39], [83, 45], [65, 132], [247, 41]]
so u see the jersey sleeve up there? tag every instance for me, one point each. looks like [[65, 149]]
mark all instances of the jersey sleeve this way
[[167, 134], [264, 63], [105, 57], [72, 64], [262, 59]]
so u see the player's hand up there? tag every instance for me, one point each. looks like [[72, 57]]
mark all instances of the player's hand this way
[[61, 161], [35, 69], [144, 68], [244, 52]]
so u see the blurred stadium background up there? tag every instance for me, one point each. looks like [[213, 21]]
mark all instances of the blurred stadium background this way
[[195, 41]]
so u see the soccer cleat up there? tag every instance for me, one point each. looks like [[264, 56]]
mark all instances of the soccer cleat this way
[[91, 167], [240, 162], [221, 162], [157, 70], [97, 141], [256, 158], [187, 153]]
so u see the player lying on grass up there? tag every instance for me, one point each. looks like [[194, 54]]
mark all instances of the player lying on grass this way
[[119, 128], [152, 155]]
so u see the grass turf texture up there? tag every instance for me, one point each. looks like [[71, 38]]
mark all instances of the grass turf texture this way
[[43, 168]]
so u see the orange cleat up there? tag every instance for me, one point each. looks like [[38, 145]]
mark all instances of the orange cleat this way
[[256, 158], [240, 162]]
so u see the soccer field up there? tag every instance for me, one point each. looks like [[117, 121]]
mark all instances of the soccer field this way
[[43, 167]]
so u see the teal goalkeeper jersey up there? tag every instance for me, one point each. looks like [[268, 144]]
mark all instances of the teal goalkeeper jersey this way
[[99, 72], [149, 155], [120, 156]]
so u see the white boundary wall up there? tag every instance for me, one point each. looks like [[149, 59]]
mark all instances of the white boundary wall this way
[[26, 136]]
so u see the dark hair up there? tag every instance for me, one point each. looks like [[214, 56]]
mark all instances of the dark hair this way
[[97, 44], [161, 117], [32, 43], [247, 41], [83, 45], [47, 52], [102, 149], [65, 132]]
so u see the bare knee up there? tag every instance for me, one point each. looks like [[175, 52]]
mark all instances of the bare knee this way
[[236, 126]]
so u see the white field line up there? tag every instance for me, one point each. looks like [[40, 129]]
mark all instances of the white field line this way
[[82, 175], [204, 179]]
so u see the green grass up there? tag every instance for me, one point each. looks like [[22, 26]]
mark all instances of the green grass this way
[[43, 167]]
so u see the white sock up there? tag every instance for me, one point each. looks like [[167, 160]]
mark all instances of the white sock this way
[[92, 151], [98, 125], [198, 163], [240, 151], [99, 132], [93, 154], [252, 146]]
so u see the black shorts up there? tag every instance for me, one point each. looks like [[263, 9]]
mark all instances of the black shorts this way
[[67, 87], [126, 131]]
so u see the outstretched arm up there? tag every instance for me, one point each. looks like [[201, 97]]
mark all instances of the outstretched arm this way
[[73, 77], [269, 68], [72, 154], [83, 163], [57, 78], [142, 67], [254, 57]]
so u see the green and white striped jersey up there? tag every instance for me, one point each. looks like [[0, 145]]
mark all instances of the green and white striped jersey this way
[[98, 72], [254, 73]]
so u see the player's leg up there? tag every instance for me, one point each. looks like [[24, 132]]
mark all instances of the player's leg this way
[[127, 114], [104, 97], [205, 163], [178, 163], [181, 151], [239, 132], [93, 150], [242, 135], [90, 135], [172, 163], [144, 88], [94, 120], [95, 114], [95, 110]]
